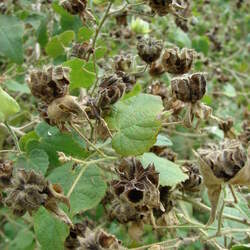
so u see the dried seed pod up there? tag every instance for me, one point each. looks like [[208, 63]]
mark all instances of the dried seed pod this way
[[122, 62], [225, 159], [121, 19], [128, 80], [194, 181], [6, 169], [110, 91], [164, 152], [99, 240], [156, 69], [158, 88], [176, 61], [28, 192], [49, 83], [74, 7], [82, 50], [189, 88], [164, 7], [137, 186], [149, 49]]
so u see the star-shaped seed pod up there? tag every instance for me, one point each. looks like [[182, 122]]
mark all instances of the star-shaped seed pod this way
[[82, 50], [74, 7], [176, 61], [158, 88], [149, 49], [156, 69], [189, 88], [164, 152], [122, 62], [194, 181], [30, 190], [50, 83], [163, 7], [111, 89], [223, 163], [137, 186], [6, 169], [128, 79]]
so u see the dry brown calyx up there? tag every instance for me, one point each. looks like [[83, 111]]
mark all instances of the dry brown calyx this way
[[164, 152], [6, 173], [158, 88], [123, 62], [74, 7], [245, 135], [194, 181], [149, 49], [176, 61], [223, 163], [82, 50], [50, 83], [29, 191], [156, 69]]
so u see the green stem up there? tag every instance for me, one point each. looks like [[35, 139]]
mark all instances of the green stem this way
[[15, 139]]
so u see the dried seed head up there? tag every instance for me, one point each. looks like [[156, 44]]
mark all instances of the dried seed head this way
[[121, 19], [189, 88], [149, 49], [156, 69], [164, 152], [177, 61], [74, 7], [226, 125], [27, 192], [6, 169], [110, 91], [49, 83], [128, 80], [158, 88], [82, 50], [122, 62], [99, 240], [194, 181], [225, 159], [137, 186], [164, 7]]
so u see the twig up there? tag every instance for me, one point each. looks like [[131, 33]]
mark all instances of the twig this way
[[15, 139]]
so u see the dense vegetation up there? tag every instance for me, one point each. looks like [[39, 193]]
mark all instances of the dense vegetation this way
[[124, 124]]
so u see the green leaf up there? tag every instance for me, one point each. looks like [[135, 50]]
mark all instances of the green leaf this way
[[181, 38], [89, 190], [26, 138], [67, 37], [8, 105], [52, 140], [54, 47], [135, 91], [229, 90], [201, 45], [82, 74], [42, 33], [163, 141], [37, 160], [170, 173], [17, 87], [241, 247], [23, 240], [50, 232], [135, 123], [84, 34], [11, 34]]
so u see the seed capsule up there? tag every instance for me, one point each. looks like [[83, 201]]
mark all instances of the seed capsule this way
[[6, 168], [74, 7], [175, 61], [149, 49], [49, 83], [189, 88]]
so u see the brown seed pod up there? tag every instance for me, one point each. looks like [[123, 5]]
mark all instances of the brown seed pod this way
[[128, 79], [149, 49], [6, 169], [110, 91], [176, 61], [245, 135], [156, 69], [74, 7], [194, 181], [164, 152], [164, 7], [121, 19], [158, 88], [225, 159], [189, 88], [28, 192], [82, 50], [122, 62], [49, 83], [137, 186]]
